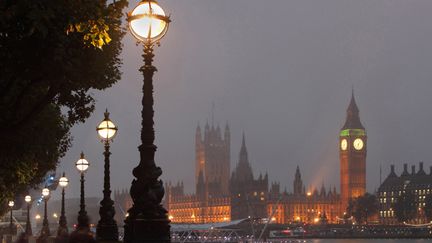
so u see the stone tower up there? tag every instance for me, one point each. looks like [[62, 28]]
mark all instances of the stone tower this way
[[248, 195], [212, 159], [352, 153], [298, 183]]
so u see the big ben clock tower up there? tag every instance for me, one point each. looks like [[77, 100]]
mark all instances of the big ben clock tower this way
[[352, 151]]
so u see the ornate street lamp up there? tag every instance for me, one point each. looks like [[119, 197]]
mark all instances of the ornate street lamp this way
[[11, 224], [45, 232], [62, 229], [28, 230], [83, 221], [147, 220], [107, 227]]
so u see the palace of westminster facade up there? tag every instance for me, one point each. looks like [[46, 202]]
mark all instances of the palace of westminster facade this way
[[222, 195]]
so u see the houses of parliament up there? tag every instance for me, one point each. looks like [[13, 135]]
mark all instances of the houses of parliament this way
[[222, 195]]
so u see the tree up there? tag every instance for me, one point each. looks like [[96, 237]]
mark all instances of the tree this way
[[52, 54], [361, 208], [405, 208], [428, 207]]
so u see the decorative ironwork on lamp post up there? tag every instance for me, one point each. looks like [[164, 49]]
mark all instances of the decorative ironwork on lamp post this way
[[106, 229], [62, 229], [45, 232], [83, 221], [11, 224], [28, 229], [148, 220]]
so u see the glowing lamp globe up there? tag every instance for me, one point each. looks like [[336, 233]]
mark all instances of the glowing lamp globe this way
[[27, 199], [63, 181], [82, 164], [106, 129], [148, 22], [11, 203], [45, 192]]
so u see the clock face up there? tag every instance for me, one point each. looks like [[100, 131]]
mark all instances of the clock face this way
[[344, 144], [358, 144]]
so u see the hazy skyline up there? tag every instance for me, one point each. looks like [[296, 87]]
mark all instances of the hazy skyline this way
[[282, 72]]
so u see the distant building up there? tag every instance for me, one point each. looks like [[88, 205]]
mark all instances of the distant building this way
[[122, 203], [195, 208], [212, 159], [219, 197], [418, 183], [248, 195], [310, 206]]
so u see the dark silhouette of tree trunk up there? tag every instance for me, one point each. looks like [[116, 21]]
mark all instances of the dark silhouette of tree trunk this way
[[363, 207], [405, 208], [428, 207]]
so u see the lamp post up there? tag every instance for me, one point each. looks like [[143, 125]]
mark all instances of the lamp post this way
[[83, 221], [28, 230], [45, 232], [106, 229], [147, 220], [62, 229], [11, 224]]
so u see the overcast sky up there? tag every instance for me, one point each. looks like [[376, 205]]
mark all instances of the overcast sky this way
[[282, 72]]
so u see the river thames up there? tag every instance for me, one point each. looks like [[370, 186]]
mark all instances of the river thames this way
[[363, 241]]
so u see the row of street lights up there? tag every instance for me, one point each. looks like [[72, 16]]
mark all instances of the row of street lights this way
[[147, 220], [106, 130]]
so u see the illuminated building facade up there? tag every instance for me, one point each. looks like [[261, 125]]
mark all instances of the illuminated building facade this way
[[247, 195], [219, 197], [312, 205], [352, 153], [283, 207], [196, 208], [417, 183]]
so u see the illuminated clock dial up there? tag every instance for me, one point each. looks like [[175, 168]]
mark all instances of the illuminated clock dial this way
[[344, 144], [358, 144]]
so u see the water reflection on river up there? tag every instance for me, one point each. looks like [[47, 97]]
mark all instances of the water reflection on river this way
[[370, 241]]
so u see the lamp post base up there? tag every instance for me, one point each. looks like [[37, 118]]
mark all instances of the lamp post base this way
[[147, 230], [107, 232], [45, 231], [81, 235]]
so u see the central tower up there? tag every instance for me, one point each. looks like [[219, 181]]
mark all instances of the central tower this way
[[212, 159], [352, 152]]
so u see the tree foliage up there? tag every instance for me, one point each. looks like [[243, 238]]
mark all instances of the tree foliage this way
[[363, 207], [52, 54], [405, 207]]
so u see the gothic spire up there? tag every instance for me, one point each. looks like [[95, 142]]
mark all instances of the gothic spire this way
[[243, 141], [298, 183], [243, 170], [297, 173], [353, 118]]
